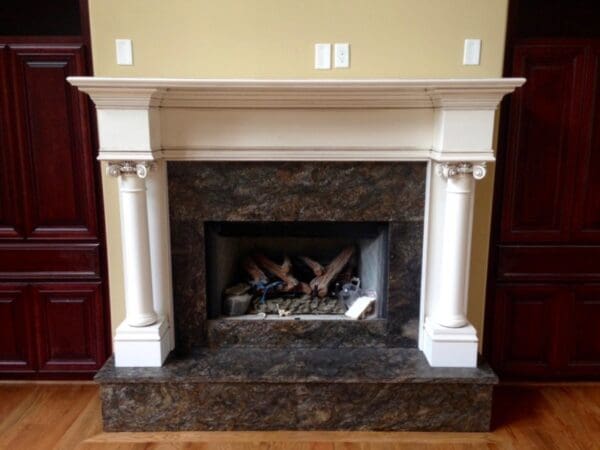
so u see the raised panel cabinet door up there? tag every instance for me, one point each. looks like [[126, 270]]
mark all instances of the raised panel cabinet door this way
[[583, 331], [526, 320], [10, 215], [16, 352], [543, 136], [586, 214], [69, 327], [55, 144]]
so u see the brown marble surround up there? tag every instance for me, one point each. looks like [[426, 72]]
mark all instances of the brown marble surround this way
[[392, 192]]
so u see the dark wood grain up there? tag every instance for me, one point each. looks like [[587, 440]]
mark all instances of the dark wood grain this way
[[16, 346], [524, 326], [542, 309], [548, 262], [49, 261], [543, 138], [10, 217], [583, 334], [54, 314], [54, 142], [67, 319]]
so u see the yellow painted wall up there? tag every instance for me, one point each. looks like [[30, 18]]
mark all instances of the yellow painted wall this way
[[275, 39]]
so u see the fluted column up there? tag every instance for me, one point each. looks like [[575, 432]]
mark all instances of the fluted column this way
[[451, 309], [137, 269]]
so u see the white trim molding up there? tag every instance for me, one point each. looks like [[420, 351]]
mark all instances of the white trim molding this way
[[144, 122]]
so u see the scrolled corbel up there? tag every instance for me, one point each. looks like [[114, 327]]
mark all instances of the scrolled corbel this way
[[139, 168], [449, 170]]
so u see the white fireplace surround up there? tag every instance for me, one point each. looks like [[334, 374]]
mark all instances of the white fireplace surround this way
[[144, 122]]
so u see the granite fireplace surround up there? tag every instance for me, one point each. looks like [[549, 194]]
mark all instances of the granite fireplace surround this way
[[405, 153], [287, 192]]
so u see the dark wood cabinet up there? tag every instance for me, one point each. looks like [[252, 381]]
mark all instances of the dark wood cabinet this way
[[543, 315], [53, 302], [16, 329], [53, 142], [70, 339]]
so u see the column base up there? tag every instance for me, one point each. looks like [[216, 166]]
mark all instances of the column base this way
[[450, 347], [142, 346]]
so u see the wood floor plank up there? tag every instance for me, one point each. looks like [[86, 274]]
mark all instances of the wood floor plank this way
[[67, 416]]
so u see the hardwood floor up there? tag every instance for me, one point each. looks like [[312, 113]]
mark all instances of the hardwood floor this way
[[67, 416]]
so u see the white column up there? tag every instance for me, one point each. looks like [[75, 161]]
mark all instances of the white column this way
[[143, 339], [449, 338], [452, 310], [139, 302]]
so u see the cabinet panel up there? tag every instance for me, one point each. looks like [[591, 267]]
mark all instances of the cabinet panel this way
[[586, 215], [584, 330], [9, 212], [49, 261], [548, 262], [69, 318], [15, 329], [55, 143], [525, 321], [543, 134]]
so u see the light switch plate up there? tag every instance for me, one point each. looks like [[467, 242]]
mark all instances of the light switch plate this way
[[472, 52], [322, 56], [124, 52], [341, 55]]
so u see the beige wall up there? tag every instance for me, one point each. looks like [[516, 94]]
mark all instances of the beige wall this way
[[275, 39]]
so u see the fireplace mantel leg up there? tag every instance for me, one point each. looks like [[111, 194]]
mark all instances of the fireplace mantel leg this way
[[143, 339], [449, 338]]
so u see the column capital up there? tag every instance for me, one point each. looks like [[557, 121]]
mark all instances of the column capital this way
[[448, 170], [139, 168]]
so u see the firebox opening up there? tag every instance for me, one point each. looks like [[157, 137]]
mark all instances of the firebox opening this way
[[295, 270]]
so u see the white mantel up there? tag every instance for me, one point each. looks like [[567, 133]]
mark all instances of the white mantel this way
[[143, 122]]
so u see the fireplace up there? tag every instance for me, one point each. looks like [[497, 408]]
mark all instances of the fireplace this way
[[295, 270], [237, 188]]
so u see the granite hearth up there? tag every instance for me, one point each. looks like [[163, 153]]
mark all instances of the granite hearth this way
[[240, 388], [393, 161]]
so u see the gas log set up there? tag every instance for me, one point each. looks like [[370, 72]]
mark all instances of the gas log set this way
[[302, 287]]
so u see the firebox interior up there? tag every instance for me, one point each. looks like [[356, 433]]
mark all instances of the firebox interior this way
[[228, 243]]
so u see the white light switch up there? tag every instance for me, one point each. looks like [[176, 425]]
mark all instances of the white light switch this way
[[472, 52], [322, 56], [341, 58], [124, 52]]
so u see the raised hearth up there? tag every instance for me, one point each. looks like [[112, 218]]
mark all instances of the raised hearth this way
[[402, 155], [301, 389]]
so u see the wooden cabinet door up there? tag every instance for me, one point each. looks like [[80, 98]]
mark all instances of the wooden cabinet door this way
[[544, 312], [543, 138], [53, 313], [583, 331], [586, 203], [69, 326], [54, 142], [16, 330]]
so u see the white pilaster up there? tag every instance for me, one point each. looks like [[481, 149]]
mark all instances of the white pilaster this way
[[143, 331], [450, 341], [160, 245]]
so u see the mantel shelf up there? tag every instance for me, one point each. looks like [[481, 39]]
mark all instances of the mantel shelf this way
[[134, 93]]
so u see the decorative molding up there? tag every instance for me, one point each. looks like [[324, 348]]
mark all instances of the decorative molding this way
[[449, 170], [144, 93], [251, 153], [139, 168]]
